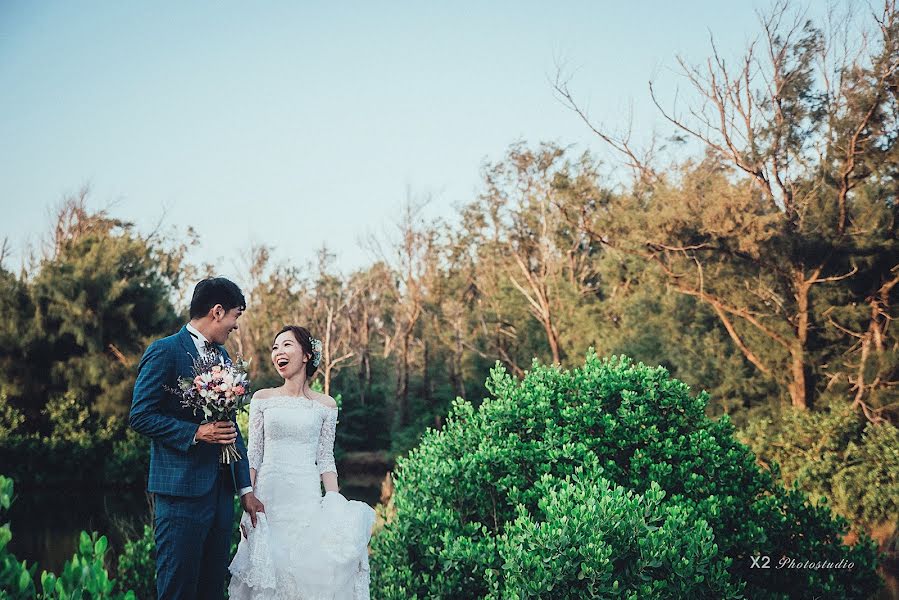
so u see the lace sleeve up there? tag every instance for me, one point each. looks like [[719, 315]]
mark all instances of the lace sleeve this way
[[255, 441], [325, 457]]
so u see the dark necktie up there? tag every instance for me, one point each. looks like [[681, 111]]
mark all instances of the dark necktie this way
[[210, 348]]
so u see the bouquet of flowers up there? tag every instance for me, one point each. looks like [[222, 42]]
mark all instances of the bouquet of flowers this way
[[217, 390]]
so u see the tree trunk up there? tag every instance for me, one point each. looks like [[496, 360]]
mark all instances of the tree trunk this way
[[403, 383], [327, 351], [457, 377], [553, 337], [425, 375], [365, 361], [798, 385]]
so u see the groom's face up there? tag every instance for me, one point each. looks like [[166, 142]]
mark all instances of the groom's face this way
[[225, 322]]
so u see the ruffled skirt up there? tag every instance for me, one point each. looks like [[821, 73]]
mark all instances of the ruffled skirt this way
[[311, 550]]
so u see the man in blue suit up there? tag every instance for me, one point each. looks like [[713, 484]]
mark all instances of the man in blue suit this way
[[193, 490]]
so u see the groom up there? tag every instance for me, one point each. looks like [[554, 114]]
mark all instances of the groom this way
[[193, 491]]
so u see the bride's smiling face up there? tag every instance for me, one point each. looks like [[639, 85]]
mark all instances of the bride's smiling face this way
[[287, 355]]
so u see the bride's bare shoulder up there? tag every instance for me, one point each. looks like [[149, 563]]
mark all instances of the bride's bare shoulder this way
[[323, 399], [264, 393]]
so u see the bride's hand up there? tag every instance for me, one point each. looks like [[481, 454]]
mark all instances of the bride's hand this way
[[252, 506], [244, 525]]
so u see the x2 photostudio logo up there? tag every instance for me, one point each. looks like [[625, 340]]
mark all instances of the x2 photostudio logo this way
[[785, 562], [760, 562]]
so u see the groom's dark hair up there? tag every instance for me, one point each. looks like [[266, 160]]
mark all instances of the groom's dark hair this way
[[212, 291]]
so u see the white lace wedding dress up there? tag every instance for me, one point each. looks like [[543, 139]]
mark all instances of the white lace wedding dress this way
[[305, 546]]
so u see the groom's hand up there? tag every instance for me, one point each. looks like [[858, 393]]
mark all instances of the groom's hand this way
[[217, 432], [252, 505]]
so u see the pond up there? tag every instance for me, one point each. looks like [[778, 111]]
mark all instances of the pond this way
[[46, 523]]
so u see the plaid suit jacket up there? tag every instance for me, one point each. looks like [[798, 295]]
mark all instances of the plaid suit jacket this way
[[178, 467]]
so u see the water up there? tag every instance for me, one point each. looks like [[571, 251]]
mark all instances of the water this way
[[46, 523]]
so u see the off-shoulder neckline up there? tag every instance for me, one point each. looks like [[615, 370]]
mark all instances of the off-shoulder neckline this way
[[285, 396]]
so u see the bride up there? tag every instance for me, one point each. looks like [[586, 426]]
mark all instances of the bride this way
[[304, 546]]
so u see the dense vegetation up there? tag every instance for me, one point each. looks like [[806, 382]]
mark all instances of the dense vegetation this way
[[762, 269], [84, 576], [606, 481]]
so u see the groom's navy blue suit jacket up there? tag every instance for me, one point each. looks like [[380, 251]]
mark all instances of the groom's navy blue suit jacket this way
[[178, 467]]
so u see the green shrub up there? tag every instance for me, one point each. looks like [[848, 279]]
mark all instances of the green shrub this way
[[16, 578], [76, 443], [137, 565], [84, 577], [833, 453], [495, 476], [128, 463], [593, 540], [12, 420]]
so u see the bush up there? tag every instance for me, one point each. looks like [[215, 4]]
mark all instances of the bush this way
[[592, 540], [16, 578], [834, 454], [128, 463], [12, 420], [82, 577], [497, 477], [79, 446], [85, 575], [137, 565]]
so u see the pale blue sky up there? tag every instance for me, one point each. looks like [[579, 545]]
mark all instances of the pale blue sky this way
[[299, 123]]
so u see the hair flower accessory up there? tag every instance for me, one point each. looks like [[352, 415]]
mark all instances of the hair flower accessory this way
[[316, 351]]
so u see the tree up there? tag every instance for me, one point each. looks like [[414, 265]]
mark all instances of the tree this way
[[792, 206], [373, 297], [276, 296], [329, 306], [16, 321], [100, 294], [522, 243], [413, 262]]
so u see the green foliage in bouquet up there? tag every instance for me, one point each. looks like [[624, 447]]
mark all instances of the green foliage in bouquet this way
[[605, 481]]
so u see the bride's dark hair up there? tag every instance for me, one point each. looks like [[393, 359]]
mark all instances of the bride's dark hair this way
[[305, 339]]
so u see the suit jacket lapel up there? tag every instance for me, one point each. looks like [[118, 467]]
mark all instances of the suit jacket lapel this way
[[187, 341]]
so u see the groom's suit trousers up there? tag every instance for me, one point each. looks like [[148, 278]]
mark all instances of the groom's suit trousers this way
[[193, 540]]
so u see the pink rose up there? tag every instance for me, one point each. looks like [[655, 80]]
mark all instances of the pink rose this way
[[239, 390]]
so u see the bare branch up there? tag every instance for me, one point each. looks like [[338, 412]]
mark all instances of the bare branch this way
[[641, 166], [835, 277]]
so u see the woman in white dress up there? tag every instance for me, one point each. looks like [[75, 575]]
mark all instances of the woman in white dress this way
[[304, 546]]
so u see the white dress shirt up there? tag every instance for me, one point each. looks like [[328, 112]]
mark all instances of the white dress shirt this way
[[200, 342], [198, 338]]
